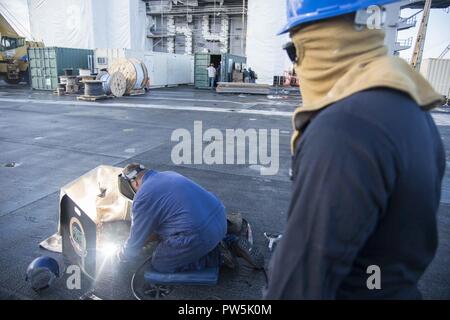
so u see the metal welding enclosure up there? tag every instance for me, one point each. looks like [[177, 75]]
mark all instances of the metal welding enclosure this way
[[47, 64], [226, 63], [87, 205], [79, 236]]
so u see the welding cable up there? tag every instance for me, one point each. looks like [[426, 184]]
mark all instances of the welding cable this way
[[266, 278], [134, 275]]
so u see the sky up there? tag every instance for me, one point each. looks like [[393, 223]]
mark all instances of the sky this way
[[438, 33]]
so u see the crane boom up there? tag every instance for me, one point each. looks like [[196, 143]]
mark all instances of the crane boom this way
[[446, 50], [420, 41]]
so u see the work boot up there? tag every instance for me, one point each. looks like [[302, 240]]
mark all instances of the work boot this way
[[242, 248], [246, 231], [234, 223], [157, 291], [226, 256]]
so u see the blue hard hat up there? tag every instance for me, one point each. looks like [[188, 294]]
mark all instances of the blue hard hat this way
[[41, 272], [302, 11]]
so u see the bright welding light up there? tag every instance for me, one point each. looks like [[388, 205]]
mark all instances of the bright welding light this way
[[109, 249]]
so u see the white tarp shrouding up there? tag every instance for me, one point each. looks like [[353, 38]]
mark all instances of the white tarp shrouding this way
[[264, 48], [89, 24], [16, 14]]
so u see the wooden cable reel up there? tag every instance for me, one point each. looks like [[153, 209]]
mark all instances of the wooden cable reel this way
[[133, 70], [117, 84]]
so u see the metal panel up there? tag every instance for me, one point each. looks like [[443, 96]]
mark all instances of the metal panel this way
[[72, 58], [156, 64], [435, 5], [437, 72], [46, 64], [44, 75], [201, 62]]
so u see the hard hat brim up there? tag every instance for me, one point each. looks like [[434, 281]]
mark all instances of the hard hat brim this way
[[330, 13]]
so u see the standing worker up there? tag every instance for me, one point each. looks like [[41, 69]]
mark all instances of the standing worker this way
[[368, 163], [252, 75], [211, 75], [246, 75], [217, 78]]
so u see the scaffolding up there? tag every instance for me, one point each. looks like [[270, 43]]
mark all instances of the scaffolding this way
[[192, 26]]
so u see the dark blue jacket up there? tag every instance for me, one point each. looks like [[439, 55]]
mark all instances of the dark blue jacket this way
[[179, 211], [367, 183]]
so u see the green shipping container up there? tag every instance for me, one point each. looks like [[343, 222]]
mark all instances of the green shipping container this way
[[226, 62], [47, 64]]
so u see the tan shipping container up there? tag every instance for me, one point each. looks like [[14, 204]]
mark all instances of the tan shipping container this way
[[164, 69], [437, 72]]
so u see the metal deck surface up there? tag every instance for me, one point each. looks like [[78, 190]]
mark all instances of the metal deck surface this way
[[54, 140]]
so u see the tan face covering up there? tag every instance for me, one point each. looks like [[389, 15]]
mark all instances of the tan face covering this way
[[336, 61]]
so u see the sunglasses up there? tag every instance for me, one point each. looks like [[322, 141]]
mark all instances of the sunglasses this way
[[291, 51]]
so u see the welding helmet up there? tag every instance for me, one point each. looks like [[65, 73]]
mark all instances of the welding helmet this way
[[125, 179], [41, 272], [302, 11]]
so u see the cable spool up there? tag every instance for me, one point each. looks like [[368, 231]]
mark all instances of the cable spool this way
[[117, 84], [70, 83], [100, 74], [146, 82], [139, 74], [105, 81], [93, 88], [71, 80], [133, 70]]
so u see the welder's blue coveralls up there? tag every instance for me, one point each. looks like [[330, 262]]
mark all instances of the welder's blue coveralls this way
[[189, 220]]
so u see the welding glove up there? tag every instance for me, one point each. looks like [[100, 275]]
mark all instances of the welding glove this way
[[120, 257]]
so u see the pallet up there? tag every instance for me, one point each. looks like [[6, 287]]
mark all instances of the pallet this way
[[59, 92], [72, 88], [93, 98], [86, 78], [241, 87], [290, 91], [139, 92]]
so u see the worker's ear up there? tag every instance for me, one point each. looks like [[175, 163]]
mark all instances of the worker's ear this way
[[135, 184], [138, 183]]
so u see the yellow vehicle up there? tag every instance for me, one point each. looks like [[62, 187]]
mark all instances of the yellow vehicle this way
[[13, 54]]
